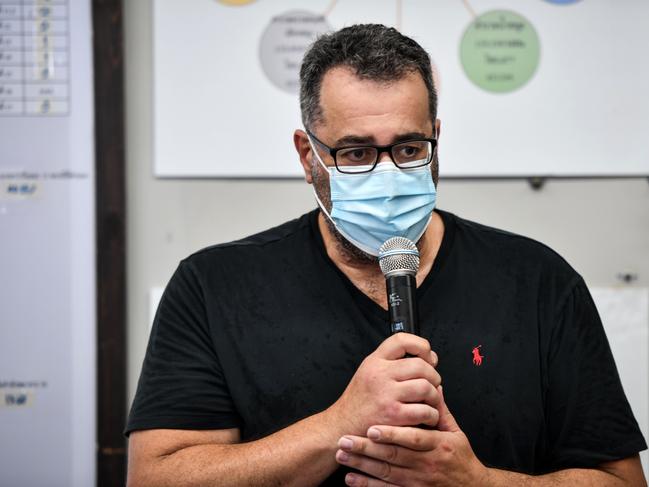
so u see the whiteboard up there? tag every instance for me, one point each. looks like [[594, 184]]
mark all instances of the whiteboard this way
[[526, 87]]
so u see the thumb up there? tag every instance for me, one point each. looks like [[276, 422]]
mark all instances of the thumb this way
[[446, 420]]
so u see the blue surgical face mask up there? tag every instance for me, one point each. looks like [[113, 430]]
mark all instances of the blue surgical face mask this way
[[368, 208]]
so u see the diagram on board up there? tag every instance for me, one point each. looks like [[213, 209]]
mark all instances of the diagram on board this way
[[499, 52]]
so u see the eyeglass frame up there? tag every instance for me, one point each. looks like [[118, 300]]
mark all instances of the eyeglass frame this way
[[380, 150]]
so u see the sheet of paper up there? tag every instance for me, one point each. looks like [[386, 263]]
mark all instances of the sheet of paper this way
[[625, 315], [155, 294], [47, 251]]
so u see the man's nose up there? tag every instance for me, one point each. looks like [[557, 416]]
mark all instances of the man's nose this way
[[385, 155]]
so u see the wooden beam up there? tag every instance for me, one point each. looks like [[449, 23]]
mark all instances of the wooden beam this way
[[111, 242]]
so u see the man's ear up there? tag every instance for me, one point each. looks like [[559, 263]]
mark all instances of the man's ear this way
[[438, 128], [304, 150]]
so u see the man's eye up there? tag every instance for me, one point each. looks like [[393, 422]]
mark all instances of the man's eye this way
[[409, 151], [356, 155]]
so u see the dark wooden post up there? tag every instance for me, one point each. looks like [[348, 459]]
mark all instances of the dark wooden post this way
[[111, 243]]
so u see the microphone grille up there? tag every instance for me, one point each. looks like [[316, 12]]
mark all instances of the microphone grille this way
[[398, 254]]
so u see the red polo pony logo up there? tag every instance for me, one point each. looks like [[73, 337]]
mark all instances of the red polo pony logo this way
[[477, 358]]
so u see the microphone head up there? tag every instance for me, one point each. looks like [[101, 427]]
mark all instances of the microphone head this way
[[398, 255]]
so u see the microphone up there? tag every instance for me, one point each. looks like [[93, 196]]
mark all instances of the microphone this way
[[399, 261]]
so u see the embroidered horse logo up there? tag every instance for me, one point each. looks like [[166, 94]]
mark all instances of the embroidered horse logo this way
[[477, 358]]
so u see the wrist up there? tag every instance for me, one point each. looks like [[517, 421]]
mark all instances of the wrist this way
[[493, 477], [340, 422], [485, 476], [331, 426]]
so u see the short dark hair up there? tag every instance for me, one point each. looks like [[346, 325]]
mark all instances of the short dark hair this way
[[373, 51]]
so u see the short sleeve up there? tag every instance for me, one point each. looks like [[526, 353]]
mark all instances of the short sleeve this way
[[589, 420], [182, 385]]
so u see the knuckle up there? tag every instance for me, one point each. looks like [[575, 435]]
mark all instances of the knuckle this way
[[433, 394], [393, 411], [415, 416], [417, 439], [392, 453], [360, 481], [383, 402], [425, 344], [435, 358], [369, 362], [384, 471], [372, 378], [428, 415], [432, 414], [360, 446], [387, 434], [434, 417], [423, 388], [422, 366], [446, 447], [424, 369]]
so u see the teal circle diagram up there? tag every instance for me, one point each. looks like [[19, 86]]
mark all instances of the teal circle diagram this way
[[500, 51]]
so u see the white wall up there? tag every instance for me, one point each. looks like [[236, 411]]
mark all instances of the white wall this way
[[600, 226]]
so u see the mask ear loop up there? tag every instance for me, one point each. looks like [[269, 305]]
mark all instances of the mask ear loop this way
[[326, 168], [317, 155]]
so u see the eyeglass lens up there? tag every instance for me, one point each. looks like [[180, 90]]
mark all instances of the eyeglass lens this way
[[413, 153]]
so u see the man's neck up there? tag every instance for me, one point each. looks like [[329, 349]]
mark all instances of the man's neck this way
[[367, 276]]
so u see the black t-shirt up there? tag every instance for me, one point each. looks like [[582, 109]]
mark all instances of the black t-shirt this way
[[260, 333]]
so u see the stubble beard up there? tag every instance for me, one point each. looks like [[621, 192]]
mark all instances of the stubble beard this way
[[347, 250]]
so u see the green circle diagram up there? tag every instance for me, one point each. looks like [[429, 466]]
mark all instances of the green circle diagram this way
[[500, 51]]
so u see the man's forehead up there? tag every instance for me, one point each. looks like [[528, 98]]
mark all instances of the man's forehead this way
[[353, 106]]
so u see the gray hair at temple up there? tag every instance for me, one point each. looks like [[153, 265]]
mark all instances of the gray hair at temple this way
[[373, 51]]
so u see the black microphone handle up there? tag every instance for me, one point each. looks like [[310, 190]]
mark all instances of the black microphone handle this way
[[402, 306], [402, 303]]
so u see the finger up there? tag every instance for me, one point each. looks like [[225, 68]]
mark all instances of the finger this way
[[376, 468], [409, 437], [446, 420], [418, 390], [401, 344], [359, 480], [410, 414], [434, 358], [392, 454], [416, 368]]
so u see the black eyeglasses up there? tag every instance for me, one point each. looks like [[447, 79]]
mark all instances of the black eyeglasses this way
[[363, 158]]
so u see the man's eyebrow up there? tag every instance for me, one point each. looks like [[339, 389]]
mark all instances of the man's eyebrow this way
[[353, 139], [410, 136], [369, 140]]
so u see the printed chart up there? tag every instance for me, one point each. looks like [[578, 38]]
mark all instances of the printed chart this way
[[527, 87], [47, 258], [34, 42]]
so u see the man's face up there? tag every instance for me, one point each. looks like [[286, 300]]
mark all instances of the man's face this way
[[357, 111]]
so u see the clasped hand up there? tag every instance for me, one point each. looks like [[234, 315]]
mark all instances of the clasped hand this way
[[387, 398]]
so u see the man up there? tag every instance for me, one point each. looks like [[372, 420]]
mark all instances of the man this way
[[270, 360]]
